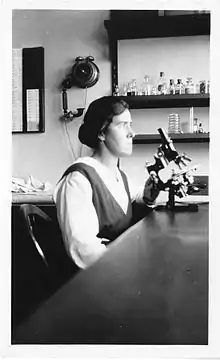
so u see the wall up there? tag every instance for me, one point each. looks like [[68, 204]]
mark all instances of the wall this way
[[64, 35], [67, 34]]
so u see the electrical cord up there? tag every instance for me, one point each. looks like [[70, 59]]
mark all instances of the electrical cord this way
[[85, 103], [68, 136], [67, 133]]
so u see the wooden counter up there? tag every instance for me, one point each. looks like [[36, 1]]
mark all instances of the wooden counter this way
[[151, 287]]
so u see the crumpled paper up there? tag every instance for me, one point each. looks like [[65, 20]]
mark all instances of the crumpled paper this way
[[31, 185]]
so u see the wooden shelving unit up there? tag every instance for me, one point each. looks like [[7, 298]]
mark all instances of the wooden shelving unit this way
[[166, 101], [160, 26], [177, 138], [154, 27]]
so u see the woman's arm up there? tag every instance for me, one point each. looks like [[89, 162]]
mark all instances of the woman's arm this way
[[78, 219]]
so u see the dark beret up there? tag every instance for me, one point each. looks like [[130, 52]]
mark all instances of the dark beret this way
[[99, 112]]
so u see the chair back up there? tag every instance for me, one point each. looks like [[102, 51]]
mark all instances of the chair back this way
[[46, 236]]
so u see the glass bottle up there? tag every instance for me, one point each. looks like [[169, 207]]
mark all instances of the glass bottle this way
[[200, 128], [145, 86], [202, 86], [153, 90], [134, 87], [207, 88], [123, 90], [195, 125], [179, 88], [187, 85], [171, 90], [116, 92], [162, 84], [191, 86], [129, 89]]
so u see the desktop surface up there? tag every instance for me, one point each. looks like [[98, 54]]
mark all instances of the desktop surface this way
[[151, 287]]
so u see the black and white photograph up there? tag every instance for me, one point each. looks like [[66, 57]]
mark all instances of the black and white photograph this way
[[112, 244]]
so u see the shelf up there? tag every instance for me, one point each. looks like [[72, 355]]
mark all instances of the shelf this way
[[166, 101], [160, 26], [177, 138]]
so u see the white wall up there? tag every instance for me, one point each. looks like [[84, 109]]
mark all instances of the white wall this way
[[66, 34]]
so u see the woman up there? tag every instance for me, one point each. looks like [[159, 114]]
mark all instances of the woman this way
[[93, 198]]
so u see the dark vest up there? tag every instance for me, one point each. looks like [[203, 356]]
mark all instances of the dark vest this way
[[112, 219]]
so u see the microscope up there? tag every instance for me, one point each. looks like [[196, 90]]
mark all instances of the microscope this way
[[182, 182]]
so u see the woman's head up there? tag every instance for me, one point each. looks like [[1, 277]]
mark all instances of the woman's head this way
[[98, 117]]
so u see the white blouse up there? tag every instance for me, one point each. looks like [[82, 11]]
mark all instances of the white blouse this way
[[77, 215]]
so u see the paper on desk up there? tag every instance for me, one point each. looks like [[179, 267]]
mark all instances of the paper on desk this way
[[32, 185]]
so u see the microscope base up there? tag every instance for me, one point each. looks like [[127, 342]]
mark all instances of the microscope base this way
[[178, 208]]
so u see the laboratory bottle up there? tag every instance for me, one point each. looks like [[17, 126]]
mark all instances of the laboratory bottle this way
[[200, 128], [129, 89], [116, 92], [190, 86], [171, 90], [202, 86], [145, 86], [162, 84], [207, 88], [195, 125], [134, 87], [179, 88]]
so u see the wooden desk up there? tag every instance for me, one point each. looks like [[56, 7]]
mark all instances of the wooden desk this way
[[151, 287]]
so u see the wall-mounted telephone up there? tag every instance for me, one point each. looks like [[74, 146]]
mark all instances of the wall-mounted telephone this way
[[84, 74]]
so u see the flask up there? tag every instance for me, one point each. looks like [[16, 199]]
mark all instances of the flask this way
[[174, 124]]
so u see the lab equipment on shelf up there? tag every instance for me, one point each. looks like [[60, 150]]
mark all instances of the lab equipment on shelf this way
[[174, 124]]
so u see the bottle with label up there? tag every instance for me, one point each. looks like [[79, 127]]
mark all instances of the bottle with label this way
[[162, 84], [179, 88], [202, 86], [200, 128], [171, 89]]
